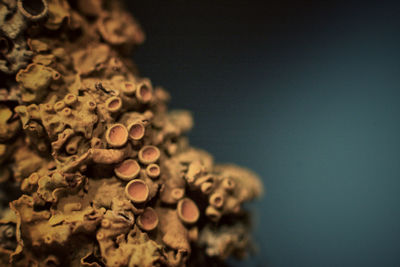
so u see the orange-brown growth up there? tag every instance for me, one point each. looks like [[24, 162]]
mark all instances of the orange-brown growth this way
[[106, 171], [188, 211], [136, 130], [144, 93], [153, 170], [149, 154], [148, 220], [137, 191], [128, 88], [117, 135], [114, 104], [127, 170]]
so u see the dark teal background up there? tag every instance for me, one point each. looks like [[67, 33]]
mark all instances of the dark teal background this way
[[306, 93]]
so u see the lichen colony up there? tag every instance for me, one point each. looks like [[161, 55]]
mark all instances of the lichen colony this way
[[95, 171]]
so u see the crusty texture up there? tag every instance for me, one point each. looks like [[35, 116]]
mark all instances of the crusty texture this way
[[69, 99]]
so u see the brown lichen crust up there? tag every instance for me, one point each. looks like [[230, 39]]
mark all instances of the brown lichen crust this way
[[95, 171]]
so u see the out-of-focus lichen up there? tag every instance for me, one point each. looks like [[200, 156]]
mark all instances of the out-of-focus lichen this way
[[95, 169], [224, 241]]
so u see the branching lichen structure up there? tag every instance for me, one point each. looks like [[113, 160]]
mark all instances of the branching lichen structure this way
[[95, 171]]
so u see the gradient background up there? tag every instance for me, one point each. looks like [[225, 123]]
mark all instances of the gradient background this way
[[306, 93]]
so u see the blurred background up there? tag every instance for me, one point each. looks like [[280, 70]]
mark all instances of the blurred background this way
[[306, 93]]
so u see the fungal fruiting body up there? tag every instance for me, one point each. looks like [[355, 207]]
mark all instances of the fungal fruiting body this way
[[95, 171]]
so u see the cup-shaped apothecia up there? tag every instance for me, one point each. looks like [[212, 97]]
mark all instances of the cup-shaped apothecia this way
[[188, 211], [33, 9], [149, 154], [144, 92], [136, 130], [70, 99], [137, 191], [91, 105], [67, 112], [56, 75], [128, 88], [127, 170], [217, 200], [58, 106], [113, 104], [153, 170], [148, 220], [117, 135], [177, 193], [72, 145]]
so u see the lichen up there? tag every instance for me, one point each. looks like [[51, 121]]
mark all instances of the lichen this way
[[95, 170]]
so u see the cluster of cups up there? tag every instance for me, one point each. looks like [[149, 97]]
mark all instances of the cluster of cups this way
[[136, 189]]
